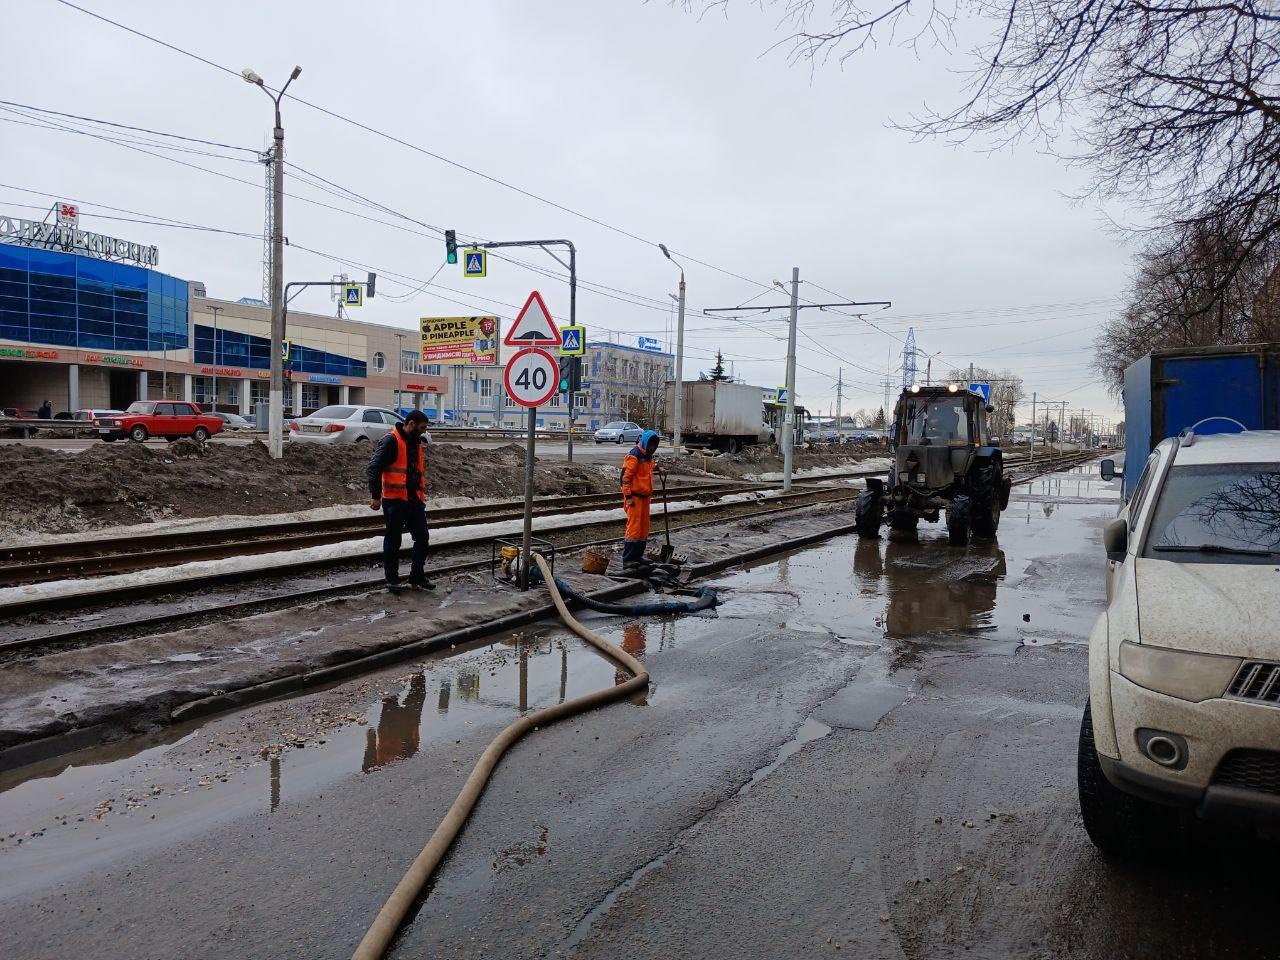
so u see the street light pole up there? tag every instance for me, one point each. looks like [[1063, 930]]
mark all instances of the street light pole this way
[[400, 373], [275, 427], [215, 311], [679, 392]]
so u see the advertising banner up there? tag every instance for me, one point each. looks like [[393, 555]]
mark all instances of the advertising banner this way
[[460, 340]]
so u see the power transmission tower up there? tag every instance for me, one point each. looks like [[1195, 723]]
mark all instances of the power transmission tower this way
[[269, 226], [839, 400], [910, 371]]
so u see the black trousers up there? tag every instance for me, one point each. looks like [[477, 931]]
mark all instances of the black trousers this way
[[404, 515]]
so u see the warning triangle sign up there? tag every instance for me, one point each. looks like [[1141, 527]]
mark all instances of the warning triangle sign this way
[[534, 326]]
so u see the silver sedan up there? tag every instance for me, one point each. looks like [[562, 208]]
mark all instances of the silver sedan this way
[[345, 424]]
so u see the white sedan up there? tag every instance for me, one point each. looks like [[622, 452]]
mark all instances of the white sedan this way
[[1183, 718], [345, 424]]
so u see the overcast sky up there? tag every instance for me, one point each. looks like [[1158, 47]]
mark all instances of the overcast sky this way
[[655, 122]]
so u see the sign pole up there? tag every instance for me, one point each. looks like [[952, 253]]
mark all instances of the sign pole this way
[[529, 445], [573, 321]]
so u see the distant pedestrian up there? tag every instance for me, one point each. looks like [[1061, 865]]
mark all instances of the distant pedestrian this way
[[45, 412], [398, 485]]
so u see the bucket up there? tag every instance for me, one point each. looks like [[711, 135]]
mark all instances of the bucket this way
[[593, 561]]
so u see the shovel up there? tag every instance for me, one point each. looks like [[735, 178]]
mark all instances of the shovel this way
[[667, 549]]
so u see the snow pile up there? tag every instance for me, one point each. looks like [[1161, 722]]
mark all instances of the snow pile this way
[[865, 468], [473, 533]]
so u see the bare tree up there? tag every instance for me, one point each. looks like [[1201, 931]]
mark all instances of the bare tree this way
[[1007, 391], [1174, 106], [1195, 285]]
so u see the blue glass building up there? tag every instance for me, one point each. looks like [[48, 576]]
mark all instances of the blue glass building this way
[[61, 299]]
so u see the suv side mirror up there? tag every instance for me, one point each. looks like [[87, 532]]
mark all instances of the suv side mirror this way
[[1108, 469], [1115, 539]]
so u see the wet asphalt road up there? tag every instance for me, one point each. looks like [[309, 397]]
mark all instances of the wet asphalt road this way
[[869, 753]]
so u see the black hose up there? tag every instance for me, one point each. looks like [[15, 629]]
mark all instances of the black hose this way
[[705, 601]]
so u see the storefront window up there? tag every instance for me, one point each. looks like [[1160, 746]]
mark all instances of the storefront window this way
[[310, 396]]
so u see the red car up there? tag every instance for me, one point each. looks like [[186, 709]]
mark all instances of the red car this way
[[159, 418]]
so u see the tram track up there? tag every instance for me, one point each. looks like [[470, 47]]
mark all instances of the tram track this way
[[567, 539]]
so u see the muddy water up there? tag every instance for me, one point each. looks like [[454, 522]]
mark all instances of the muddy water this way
[[890, 595]]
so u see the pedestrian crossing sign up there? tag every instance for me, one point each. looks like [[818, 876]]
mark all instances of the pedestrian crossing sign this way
[[981, 389], [353, 295], [573, 341], [782, 397], [475, 263]]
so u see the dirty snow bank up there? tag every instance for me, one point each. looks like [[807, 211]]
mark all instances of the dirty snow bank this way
[[348, 548]]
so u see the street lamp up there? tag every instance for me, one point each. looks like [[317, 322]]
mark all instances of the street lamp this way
[[675, 412], [215, 311], [275, 424]]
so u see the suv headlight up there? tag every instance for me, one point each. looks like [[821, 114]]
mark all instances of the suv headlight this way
[[1177, 673]]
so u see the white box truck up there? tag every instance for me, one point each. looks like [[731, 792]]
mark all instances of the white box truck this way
[[717, 414]]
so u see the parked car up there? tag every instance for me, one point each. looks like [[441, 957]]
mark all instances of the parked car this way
[[159, 418], [1183, 717], [95, 415], [233, 421], [620, 431], [345, 424], [21, 413]]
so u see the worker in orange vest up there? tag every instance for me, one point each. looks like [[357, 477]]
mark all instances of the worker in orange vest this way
[[637, 491], [398, 485]]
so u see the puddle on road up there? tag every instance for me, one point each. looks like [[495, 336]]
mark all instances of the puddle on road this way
[[923, 594]]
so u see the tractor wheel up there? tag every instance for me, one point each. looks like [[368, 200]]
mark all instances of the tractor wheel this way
[[958, 521], [868, 512], [985, 506]]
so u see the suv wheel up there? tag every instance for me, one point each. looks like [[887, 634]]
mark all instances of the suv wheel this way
[[958, 515], [868, 512], [200, 433], [138, 433], [1118, 823]]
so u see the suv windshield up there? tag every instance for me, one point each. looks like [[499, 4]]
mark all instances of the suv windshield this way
[[334, 413], [1218, 513], [938, 421], [141, 406]]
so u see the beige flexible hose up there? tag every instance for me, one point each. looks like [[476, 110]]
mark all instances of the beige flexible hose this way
[[387, 922]]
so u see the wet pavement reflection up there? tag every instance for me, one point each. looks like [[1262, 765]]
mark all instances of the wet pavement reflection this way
[[103, 802]]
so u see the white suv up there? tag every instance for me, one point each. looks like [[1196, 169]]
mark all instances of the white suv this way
[[1184, 664]]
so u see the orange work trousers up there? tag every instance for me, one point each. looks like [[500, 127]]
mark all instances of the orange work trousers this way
[[638, 518]]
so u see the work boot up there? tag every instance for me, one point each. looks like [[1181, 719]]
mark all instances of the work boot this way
[[395, 587], [421, 583]]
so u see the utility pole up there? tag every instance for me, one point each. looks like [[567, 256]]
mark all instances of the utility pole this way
[[275, 425], [795, 307], [676, 406], [839, 398], [399, 371], [1032, 458], [788, 433], [215, 311]]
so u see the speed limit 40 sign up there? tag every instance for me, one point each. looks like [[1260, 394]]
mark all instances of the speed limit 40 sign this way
[[532, 377]]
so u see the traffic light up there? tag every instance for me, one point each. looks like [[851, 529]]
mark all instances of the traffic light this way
[[451, 246], [369, 287], [570, 375]]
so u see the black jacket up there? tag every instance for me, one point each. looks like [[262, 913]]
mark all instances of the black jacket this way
[[384, 455]]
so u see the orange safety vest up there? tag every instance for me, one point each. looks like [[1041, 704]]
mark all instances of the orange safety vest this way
[[395, 478]]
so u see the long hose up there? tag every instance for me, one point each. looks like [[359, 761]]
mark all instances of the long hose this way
[[391, 916]]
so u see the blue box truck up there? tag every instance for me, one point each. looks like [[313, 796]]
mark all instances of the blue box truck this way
[[1168, 391]]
